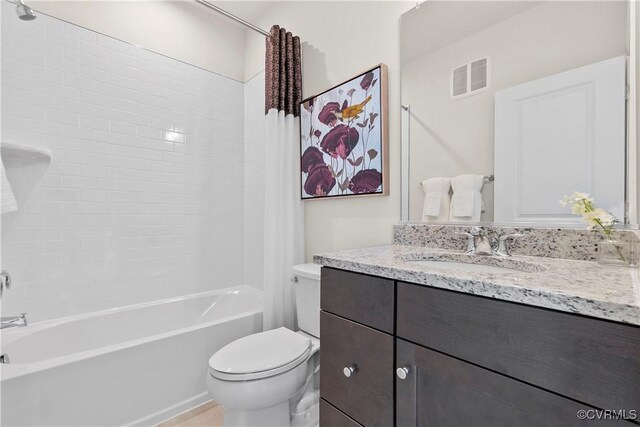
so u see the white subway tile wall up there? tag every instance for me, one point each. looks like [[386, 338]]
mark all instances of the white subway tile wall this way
[[143, 198], [254, 170]]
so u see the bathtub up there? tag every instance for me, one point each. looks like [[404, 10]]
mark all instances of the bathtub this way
[[135, 365]]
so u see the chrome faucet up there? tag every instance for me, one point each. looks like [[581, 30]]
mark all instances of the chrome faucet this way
[[478, 242], [13, 322], [503, 246]]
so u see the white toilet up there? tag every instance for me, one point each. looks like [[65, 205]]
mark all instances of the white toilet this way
[[271, 378]]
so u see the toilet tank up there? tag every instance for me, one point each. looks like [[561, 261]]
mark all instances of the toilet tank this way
[[307, 291]]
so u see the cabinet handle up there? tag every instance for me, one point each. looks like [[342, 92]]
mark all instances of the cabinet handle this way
[[402, 372], [349, 370]]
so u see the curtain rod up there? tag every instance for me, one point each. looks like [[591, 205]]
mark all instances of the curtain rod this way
[[235, 18]]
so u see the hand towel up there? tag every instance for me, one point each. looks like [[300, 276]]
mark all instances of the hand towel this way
[[436, 199], [7, 200], [466, 202]]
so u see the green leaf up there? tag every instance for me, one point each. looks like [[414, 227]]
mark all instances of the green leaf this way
[[372, 154]]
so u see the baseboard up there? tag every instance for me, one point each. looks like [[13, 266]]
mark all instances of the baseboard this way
[[172, 411]]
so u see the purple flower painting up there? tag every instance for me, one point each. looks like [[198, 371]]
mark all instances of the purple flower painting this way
[[343, 139]]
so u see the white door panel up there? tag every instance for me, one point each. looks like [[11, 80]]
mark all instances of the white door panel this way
[[557, 135]]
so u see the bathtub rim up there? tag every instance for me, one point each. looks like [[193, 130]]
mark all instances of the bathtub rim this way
[[14, 370]]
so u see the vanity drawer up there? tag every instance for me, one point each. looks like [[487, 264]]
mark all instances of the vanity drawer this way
[[593, 361], [365, 299], [331, 417], [367, 394]]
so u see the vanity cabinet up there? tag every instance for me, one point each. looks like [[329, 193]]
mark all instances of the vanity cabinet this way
[[447, 358], [356, 329]]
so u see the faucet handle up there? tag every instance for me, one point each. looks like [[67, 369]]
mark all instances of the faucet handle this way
[[5, 281], [471, 243], [503, 246], [475, 231]]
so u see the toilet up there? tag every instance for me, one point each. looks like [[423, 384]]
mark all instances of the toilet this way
[[271, 378]]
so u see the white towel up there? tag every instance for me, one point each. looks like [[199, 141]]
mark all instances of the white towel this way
[[466, 203], [436, 199], [8, 201]]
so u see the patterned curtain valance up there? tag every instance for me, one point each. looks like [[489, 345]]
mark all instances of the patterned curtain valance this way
[[283, 72]]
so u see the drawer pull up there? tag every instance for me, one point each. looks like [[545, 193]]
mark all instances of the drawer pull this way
[[402, 373], [349, 370]]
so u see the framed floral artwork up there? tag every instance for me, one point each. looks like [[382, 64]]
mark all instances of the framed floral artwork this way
[[343, 139]]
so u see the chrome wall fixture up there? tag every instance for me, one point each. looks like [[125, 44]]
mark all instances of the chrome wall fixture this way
[[232, 16], [23, 11]]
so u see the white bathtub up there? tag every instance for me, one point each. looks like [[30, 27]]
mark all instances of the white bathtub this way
[[135, 365]]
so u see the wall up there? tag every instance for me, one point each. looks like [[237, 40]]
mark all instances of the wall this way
[[637, 139], [254, 167], [455, 136], [183, 30], [340, 40], [144, 196]]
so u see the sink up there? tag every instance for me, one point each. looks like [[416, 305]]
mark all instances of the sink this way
[[463, 266], [474, 263]]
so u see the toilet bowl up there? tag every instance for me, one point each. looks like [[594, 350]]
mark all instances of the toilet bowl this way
[[271, 378]]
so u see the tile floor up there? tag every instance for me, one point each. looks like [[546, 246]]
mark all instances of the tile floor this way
[[208, 414]]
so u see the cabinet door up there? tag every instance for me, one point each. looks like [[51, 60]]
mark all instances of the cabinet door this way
[[443, 391], [366, 393]]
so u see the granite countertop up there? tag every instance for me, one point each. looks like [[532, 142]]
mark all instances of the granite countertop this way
[[582, 287]]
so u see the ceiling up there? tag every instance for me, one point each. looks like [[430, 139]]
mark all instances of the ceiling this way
[[435, 24]]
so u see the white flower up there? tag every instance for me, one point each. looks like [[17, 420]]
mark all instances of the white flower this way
[[595, 218], [580, 203]]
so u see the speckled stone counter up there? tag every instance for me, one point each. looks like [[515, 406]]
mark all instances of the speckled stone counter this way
[[551, 242], [582, 287]]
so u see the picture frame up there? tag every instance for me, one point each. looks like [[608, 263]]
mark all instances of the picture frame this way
[[344, 139]]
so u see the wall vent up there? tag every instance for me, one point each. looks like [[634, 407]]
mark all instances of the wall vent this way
[[459, 81], [470, 78]]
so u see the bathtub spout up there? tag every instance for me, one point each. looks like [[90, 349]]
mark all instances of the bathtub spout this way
[[4, 358], [13, 322]]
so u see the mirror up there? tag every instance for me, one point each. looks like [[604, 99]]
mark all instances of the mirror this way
[[509, 106]]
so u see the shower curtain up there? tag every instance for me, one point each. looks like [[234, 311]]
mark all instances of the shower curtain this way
[[284, 213]]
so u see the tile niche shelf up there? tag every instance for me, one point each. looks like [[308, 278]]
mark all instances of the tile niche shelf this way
[[24, 153]]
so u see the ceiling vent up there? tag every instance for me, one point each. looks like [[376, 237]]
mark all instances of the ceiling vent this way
[[470, 78]]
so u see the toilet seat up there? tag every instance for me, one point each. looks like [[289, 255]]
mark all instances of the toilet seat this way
[[260, 355]]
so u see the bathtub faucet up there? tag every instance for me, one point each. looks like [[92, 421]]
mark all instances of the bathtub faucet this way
[[13, 322]]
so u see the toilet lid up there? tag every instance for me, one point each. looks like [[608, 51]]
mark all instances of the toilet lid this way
[[257, 353]]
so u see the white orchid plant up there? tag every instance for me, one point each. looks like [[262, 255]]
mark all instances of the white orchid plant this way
[[597, 219]]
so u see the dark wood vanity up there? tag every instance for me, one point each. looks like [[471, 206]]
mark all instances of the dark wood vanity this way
[[396, 353]]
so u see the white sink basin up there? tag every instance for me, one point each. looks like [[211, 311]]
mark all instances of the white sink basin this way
[[463, 266], [473, 263]]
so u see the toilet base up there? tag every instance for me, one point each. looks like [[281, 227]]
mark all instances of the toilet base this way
[[277, 415]]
